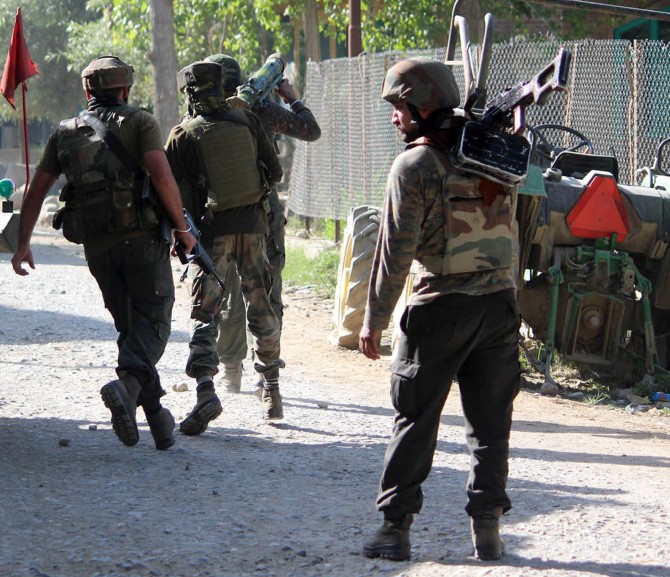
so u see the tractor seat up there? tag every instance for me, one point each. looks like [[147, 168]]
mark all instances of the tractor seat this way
[[578, 165]]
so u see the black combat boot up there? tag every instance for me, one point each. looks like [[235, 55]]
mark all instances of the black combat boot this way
[[207, 408], [120, 397], [391, 541], [161, 424], [485, 536]]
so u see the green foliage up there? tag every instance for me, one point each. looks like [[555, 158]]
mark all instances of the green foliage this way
[[319, 272], [404, 24], [562, 21], [64, 35], [597, 394], [325, 270], [247, 30]]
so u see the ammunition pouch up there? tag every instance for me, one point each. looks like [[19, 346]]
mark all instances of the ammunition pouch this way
[[90, 213], [72, 224], [493, 154], [477, 228]]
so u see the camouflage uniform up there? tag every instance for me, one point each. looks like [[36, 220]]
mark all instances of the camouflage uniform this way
[[234, 237], [453, 231], [299, 122]]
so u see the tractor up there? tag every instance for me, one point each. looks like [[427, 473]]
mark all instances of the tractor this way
[[594, 263]]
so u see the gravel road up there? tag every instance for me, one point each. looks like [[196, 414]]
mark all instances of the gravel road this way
[[295, 498]]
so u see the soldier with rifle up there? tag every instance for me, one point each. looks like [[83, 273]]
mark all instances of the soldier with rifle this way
[[221, 159], [449, 220], [112, 156], [454, 231]]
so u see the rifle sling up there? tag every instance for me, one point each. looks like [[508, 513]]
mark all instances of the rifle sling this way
[[111, 140]]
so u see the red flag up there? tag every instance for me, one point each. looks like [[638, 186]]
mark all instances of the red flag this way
[[18, 65]]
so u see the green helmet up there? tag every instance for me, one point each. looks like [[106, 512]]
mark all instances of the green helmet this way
[[232, 76], [422, 82], [107, 72]]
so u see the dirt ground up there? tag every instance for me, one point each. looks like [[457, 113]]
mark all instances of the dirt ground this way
[[296, 498]]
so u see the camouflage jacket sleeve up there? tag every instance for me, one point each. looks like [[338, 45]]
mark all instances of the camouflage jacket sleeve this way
[[399, 234], [265, 148], [298, 122]]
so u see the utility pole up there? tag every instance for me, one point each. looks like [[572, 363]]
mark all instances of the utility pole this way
[[355, 42], [354, 48]]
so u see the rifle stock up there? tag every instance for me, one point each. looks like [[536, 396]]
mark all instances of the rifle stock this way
[[552, 78]]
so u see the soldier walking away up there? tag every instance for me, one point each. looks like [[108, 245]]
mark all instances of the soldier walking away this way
[[295, 122], [220, 158], [454, 232], [105, 154]]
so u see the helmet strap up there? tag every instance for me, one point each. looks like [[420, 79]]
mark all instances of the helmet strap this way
[[414, 113]]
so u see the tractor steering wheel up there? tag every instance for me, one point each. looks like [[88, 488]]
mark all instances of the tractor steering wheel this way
[[546, 151]]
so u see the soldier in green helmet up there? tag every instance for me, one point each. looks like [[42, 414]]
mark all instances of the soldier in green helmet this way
[[221, 159], [296, 121], [453, 231], [107, 154]]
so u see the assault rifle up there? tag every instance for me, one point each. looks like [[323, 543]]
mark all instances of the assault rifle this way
[[486, 147], [508, 109], [198, 254]]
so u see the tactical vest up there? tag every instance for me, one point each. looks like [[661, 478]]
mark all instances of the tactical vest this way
[[477, 231], [102, 196], [227, 152]]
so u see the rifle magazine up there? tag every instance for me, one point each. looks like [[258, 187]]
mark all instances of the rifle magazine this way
[[493, 154]]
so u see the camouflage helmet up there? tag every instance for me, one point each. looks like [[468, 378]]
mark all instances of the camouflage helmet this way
[[232, 76], [200, 77], [202, 82], [107, 72], [422, 82]]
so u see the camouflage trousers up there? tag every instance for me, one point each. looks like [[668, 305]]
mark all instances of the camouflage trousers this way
[[135, 278], [232, 341], [242, 256]]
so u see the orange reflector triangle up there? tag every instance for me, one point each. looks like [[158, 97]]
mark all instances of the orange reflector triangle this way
[[599, 212]]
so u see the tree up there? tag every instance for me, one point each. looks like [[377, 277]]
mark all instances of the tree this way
[[64, 35], [164, 61]]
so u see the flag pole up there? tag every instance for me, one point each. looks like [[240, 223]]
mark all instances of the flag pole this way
[[25, 134]]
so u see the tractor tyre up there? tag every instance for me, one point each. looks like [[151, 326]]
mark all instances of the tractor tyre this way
[[353, 275]]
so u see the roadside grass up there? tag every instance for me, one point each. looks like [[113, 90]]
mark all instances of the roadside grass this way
[[318, 272]]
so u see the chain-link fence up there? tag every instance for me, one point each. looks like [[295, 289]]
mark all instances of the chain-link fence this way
[[618, 98]]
